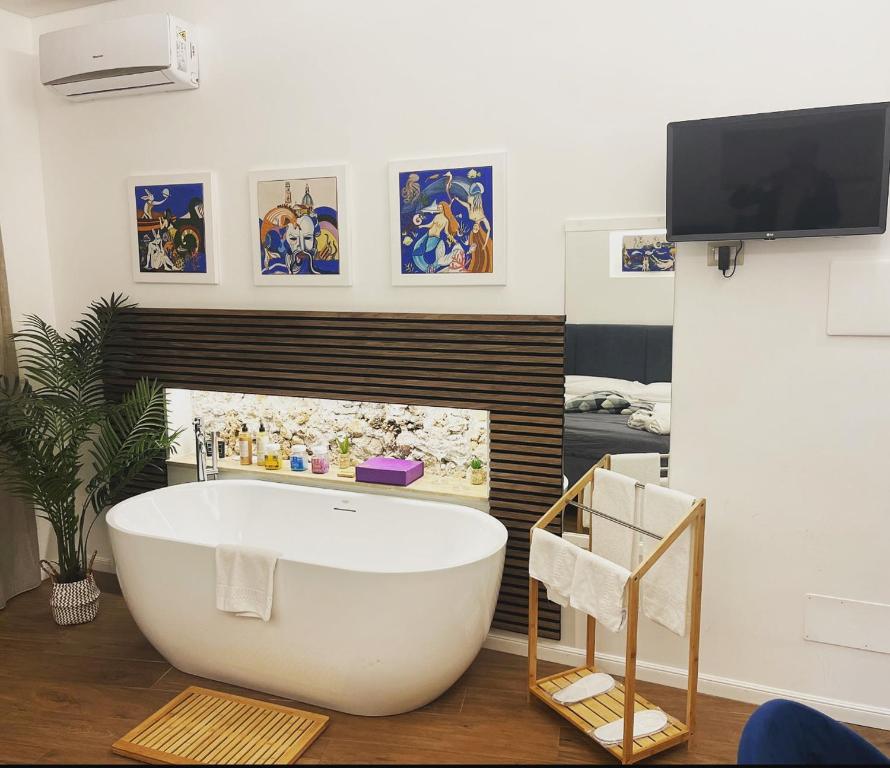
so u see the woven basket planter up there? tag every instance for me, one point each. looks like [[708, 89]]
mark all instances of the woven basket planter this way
[[76, 602]]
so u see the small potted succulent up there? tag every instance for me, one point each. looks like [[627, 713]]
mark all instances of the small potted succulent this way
[[477, 471], [344, 452]]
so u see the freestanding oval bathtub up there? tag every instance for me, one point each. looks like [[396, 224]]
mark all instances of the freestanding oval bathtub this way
[[380, 603]]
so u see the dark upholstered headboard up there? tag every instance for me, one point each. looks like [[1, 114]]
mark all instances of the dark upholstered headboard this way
[[635, 352]]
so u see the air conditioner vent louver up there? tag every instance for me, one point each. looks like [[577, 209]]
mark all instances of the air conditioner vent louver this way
[[103, 74]]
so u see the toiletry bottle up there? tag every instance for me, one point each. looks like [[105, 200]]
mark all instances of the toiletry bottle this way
[[320, 462], [273, 456], [245, 446], [261, 445], [299, 459]]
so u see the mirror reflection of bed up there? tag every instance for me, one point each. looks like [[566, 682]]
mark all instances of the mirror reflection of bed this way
[[619, 340]]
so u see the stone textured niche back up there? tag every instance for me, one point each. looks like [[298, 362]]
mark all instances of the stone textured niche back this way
[[444, 439]]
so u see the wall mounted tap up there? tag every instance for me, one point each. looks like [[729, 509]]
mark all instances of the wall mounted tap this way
[[204, 473]]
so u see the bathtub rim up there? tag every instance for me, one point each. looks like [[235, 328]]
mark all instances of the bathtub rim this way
[[503, 533]]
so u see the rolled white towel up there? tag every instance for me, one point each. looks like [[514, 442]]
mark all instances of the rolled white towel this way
[[639, 419], [660, 422]]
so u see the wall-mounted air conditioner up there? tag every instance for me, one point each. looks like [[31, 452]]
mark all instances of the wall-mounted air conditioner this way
[[124, 57]]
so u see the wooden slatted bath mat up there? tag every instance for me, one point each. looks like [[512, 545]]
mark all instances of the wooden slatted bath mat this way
[[204, 726]]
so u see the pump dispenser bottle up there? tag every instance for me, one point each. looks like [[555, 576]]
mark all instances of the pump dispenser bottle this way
[[245, 446]]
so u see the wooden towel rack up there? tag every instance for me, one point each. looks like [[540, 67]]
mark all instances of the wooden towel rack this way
[[622, 700]]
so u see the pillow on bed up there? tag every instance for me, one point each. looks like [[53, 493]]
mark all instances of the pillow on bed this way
[[656, 392], [586, 385], [632, 391], [604, 402]]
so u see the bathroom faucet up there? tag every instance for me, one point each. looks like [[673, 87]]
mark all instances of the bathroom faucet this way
[[204, 473]]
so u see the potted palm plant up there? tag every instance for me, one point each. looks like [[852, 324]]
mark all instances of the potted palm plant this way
[[70, 450]]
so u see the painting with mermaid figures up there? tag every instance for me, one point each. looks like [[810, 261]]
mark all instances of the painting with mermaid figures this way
[[449, 226]]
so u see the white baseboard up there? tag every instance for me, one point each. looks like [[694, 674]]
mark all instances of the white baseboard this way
[[727, 688]]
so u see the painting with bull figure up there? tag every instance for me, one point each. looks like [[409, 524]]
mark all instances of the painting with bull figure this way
[[299, 225], [448, 221], [171, 228]]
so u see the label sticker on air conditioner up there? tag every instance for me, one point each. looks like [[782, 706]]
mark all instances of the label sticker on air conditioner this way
[[181, 49]]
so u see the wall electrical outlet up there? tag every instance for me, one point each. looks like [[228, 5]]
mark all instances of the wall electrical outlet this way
[[715, 244]]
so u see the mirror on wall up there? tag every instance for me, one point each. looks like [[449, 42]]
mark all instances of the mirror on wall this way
[[619, 336]]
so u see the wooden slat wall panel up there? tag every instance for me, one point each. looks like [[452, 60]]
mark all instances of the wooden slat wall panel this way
[[508, 365]]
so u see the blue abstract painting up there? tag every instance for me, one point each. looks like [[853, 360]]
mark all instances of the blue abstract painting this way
[[446, 220], [647, 253], [299, 226], [170, 228]]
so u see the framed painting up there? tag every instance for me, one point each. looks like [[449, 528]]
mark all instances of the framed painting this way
[[641, 253], [171, 228], [299, 227], [448, 220]]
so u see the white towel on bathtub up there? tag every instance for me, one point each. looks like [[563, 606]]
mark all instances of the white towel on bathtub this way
[[244, 580]]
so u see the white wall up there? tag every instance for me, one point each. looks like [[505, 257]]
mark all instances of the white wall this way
[[22, 215], [290, 83], [594, 296], [578, 93], [784, 429]]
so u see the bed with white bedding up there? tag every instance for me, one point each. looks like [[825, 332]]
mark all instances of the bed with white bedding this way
[[615, 374]]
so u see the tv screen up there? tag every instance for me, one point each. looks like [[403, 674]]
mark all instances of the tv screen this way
[[785, 174]]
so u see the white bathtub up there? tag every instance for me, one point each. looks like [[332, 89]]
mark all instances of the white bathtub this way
[[380, 603]]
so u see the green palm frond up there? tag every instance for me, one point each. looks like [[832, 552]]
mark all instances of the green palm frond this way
[[133, 433], [55, 422]]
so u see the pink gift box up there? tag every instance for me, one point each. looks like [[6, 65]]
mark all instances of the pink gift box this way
[[388, 471]]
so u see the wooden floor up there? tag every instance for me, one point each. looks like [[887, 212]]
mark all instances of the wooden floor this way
[[67, 694]]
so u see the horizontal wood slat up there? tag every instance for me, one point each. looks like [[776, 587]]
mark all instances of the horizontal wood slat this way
[[508, 365]]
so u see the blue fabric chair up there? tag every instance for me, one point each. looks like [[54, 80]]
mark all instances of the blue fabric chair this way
[[787, 733]]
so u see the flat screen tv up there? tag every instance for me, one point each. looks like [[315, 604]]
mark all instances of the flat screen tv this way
[[804, 173]]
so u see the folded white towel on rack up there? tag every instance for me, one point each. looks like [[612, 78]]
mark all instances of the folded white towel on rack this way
[[599, 589], [646, 722], [614, 495], [245, 577], [664, 590], [642, 467], [551, 560]]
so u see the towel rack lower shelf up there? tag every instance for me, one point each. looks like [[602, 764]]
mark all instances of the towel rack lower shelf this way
[[608, 707]]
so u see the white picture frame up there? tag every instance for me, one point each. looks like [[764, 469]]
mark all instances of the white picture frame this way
[[334, 181], [616, 253], [490, 167], [162, 227]]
